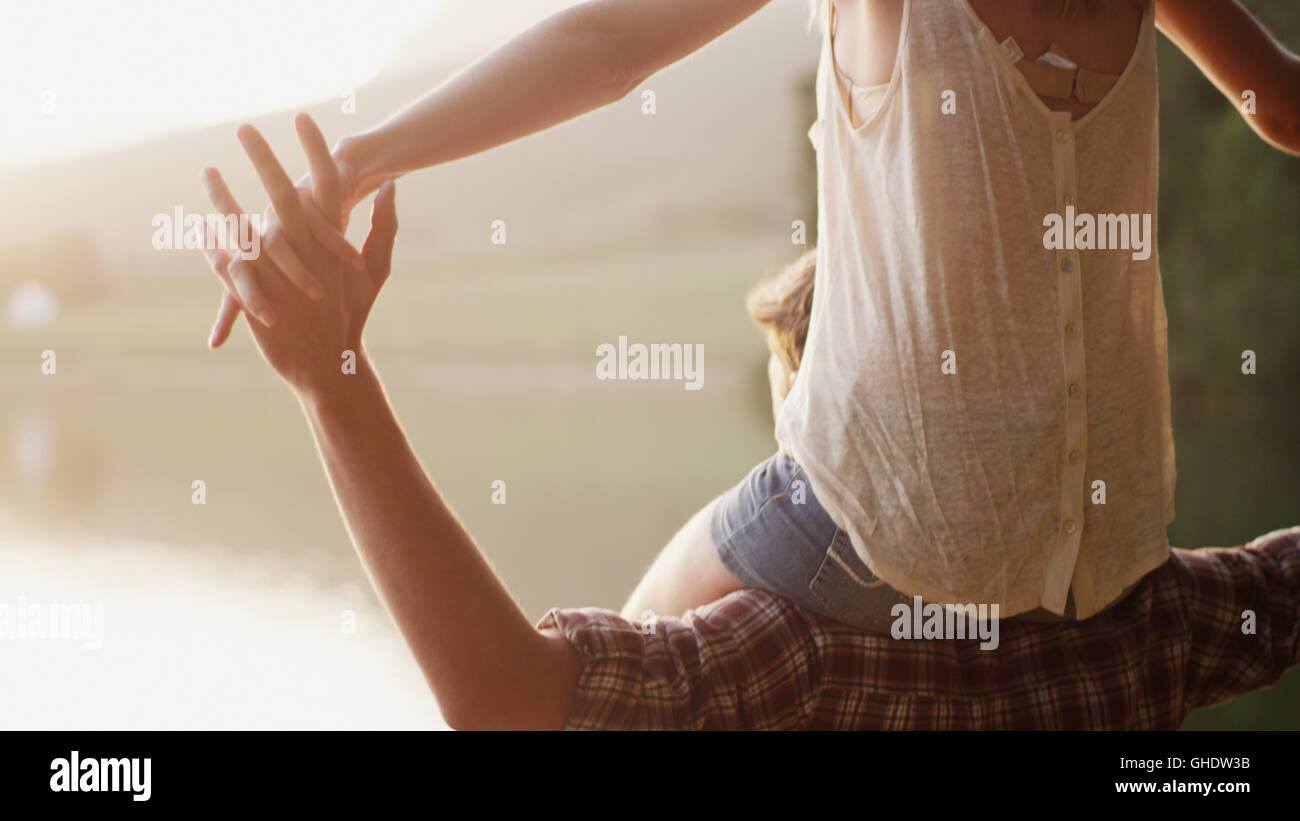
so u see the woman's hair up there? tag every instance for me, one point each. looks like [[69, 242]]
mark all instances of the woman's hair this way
[[781, 306]]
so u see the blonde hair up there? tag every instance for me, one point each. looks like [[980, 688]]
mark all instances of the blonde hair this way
[[782, 305]]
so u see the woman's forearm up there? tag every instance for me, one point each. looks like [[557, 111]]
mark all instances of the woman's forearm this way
[[564, 66], [1240, 56], [571, 63], [487, 665]]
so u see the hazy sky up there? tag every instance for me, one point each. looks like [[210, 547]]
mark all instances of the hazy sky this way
[[78, 75]]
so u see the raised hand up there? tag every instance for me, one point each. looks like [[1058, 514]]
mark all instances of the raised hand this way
[[304, 339], [302, 219]]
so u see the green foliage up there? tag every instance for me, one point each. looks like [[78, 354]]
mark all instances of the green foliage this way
[[1230, 259]]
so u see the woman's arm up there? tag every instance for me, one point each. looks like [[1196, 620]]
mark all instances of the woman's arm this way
[[573, 62], [570, 63], [1238, 54]]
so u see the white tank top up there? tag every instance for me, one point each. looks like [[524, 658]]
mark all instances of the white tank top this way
[[987, 417]]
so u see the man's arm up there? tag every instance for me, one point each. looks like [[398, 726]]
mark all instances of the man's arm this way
[[1237, 54], [1243, 611], [487, 665]]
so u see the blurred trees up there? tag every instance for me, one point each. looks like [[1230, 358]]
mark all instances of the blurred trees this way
[[1230, 260]]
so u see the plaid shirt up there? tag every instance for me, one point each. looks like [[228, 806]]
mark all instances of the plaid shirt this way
[[752, 660]]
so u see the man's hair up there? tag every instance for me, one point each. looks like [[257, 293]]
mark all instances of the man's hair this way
[[782, 305]]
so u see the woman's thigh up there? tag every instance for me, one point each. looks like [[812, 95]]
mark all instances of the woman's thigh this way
[[772, 533]]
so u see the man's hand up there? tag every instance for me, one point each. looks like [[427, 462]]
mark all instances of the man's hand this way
[[299, 221], [303, 339]]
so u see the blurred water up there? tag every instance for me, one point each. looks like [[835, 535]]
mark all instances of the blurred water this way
[[235, 612], [193, 641], [30, 305]]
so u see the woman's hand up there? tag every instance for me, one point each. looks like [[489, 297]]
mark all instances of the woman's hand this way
[[313, 215], [307, 341]]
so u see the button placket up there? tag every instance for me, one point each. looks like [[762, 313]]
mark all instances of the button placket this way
[[1070, 305]]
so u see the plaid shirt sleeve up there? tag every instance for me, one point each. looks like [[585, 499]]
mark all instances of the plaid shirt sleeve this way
[[1243, 610], [748, 661]]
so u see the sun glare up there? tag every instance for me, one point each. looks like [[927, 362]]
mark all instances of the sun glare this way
[[76, 76]]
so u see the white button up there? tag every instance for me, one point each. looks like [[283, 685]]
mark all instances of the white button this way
[[1067, 265], [1074, 389], [1071, 330], [1071, 526], [1074, 457]]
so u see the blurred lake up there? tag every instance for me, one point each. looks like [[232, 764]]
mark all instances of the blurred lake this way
[[230, 613]]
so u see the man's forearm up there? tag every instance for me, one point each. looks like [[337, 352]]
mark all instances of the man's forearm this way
[[485, 662]]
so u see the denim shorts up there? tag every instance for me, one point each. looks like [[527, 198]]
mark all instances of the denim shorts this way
[[771, 533]]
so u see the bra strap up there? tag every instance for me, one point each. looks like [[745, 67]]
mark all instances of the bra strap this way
[[1049, 75]]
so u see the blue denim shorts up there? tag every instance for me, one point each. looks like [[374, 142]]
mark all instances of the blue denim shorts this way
[[771, 533]]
